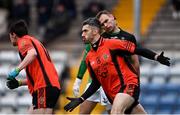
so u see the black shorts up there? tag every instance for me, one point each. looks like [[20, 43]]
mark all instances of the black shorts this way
[[46, 97]]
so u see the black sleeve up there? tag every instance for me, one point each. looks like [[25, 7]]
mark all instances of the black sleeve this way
[[94, 86], [145, 53]]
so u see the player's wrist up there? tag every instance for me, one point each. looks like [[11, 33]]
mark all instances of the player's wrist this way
[[17, 70], [156, 57], [20, 82], [78, 81]]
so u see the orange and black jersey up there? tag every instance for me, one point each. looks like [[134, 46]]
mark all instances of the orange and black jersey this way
[[41, 71], [106, 64]]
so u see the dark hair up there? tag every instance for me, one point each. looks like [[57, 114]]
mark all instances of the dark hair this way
[[92, 22], [102, 12], [19, 28]]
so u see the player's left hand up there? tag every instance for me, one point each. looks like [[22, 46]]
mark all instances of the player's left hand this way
[[163, 60], [12, 83], [73, 104], [13, 73]]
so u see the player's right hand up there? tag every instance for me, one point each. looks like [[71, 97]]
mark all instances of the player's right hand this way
[[73, 104], [76, 87], [12, 83]]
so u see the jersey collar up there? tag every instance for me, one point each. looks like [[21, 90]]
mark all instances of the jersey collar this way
[[97, 44]]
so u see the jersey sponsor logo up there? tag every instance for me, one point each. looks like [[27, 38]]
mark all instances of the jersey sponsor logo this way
[[98, 60], [102, 70]]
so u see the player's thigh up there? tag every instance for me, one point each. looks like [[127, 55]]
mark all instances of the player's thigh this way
[[87, 107], [121, 102], [45, 99], [138, 110]]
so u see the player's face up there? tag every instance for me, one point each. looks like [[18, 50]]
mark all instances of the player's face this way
[[108, 22], [87, 34], [13, 39]]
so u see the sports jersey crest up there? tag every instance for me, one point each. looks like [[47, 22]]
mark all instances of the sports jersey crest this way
[[105, 56]]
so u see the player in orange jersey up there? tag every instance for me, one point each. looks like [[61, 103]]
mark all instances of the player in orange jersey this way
[[42, 78], [107, 66]]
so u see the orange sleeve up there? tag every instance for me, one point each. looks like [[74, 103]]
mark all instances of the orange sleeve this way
[[24, 45], [123, 45]]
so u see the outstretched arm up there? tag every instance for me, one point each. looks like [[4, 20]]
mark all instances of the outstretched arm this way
[[152, 55], [127, 47]]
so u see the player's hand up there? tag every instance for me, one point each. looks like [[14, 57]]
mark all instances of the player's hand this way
[[163, 60], [13, 73], [12, 83], [76, 87], [73, 104]]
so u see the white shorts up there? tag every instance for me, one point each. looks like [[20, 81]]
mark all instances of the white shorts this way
[[100, 97]]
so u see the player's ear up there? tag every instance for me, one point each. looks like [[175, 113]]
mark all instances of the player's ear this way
[[112, 16], [12, 34], [95, 31]]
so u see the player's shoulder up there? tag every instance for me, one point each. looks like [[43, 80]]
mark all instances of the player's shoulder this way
[[108, 42], [23, 40], [127, 36]]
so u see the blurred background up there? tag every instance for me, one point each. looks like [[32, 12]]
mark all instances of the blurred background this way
[[57, 23]]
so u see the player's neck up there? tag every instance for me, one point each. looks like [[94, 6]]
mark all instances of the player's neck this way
[[96, 38], [116, 30]]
